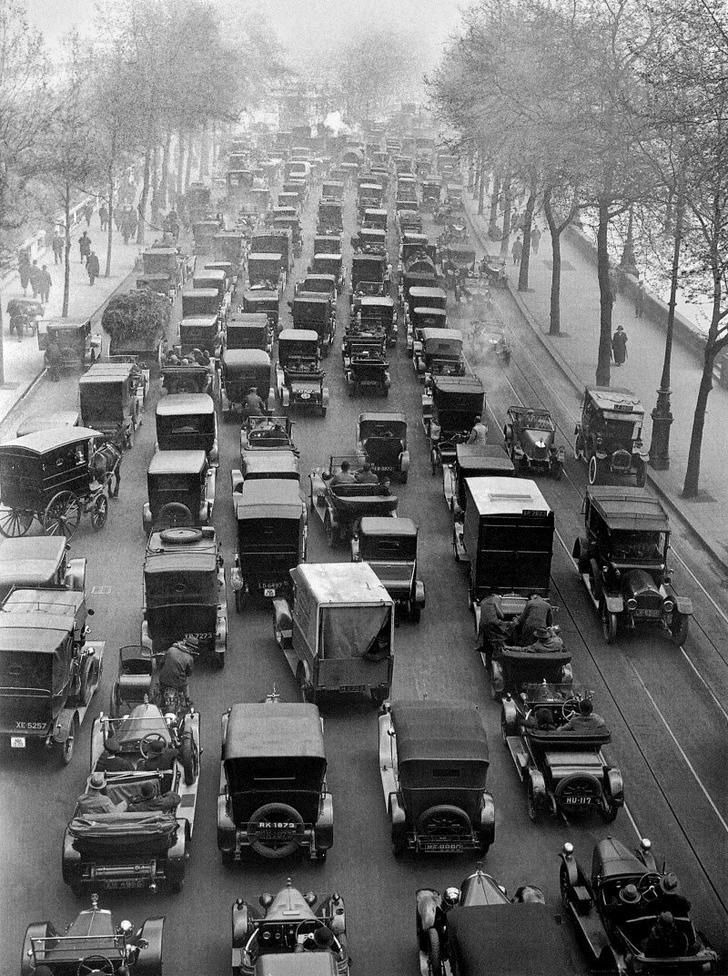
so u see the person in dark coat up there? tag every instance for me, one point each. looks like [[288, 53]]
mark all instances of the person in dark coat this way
[[24, 270], [535, 615], [92, 267], [57, 244], [53, 359], [535, 239], [665, 939], [44, 284], [639, 300], [151, 800], [619, 346], [103, 216], [177, 667], [159, 756], [111, 760], [366, 476], [517, 251], [34, 276], [88, 212], [84, 246]]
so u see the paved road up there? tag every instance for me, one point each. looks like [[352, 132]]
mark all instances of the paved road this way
[[653, 696]]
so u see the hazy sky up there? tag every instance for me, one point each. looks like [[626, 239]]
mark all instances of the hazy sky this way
[[298, 22]]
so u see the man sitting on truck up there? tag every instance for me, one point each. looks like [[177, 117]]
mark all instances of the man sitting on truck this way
[[254, 405]]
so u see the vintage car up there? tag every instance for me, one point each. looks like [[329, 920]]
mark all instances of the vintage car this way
[[273, 796], [248, 330], [614, 929], [419, 318], [493, 266], [622, 560], [292, 223], [339, 506], [49, 672], [185, 375], [431, 191], [375, 313], [609, 436], [477, 928], [507, 540], [274, 241], [566, 773], [367, 267], [374, 217], [323, 284], [181, 490], [243, 369], [439, 352], [77, 343], [264, 301], [213, 278], [381, 439], [110, 400], [327, 244], [288, 924], [470, 461], [40, 562], [187, 422], [328, 263], [269, 433], [271, 537], [338, 632], [204, 231], [265, 465], [184, 591], [330, 217], [409, 221], [299, 377], [423, 297], [52, 476], [366, 368], [201, 303], [433, 763], [147, 847], [389, 546], [229, 245], [314, 311], [332, 189], [201, 332], [528, 436], [449, 410], [369, 240], [93, 944], [265, 271]]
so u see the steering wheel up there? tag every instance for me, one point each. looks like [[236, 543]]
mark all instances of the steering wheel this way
[[148, 739], [95, 964], [570, 707], [647, 883], [307, 927]]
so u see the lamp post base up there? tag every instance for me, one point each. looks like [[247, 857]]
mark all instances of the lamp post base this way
[[661, 423]]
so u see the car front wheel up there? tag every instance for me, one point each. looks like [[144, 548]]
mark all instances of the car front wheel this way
[[434, 952]]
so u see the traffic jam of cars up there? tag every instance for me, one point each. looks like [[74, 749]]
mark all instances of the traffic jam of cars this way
[[237, 355]]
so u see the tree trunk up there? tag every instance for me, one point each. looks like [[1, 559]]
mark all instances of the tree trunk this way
[[188, 165], [164, 177], [481, 187], [142, 206], [692, 473], [526, 253], [494, 198], [603, 373], [202, 169], [67, 255], [555, 304], [180, 162], [110, 225], [507, 202]]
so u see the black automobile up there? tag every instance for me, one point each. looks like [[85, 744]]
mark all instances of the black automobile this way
[[609, 435], [299, 377], [622, 560], [381, 439], [448, 414], [187, 422], [390, 547], [314, 311], [529, 436], [181, 490]]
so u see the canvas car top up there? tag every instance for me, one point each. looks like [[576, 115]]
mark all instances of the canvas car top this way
[[377, 525], [341, 584], [246, 357], [381, 417], [238, 319], [200, 293], [260, 295], [483, 457], [264, 464], [298, 335], [181, 404], [305, 298], [199, 321], [439, 313], [163, 556], [264, 256], [261, 730], [446, 336], [615, 398], [207, 274], [28, 634], [438, 730], [616, 860], [511, 939], [506, 496], [628, 508], [107, 373], [296, 964], [421, 291], [34, 560], [176, 462], [42, 441], [40, 421], [375, 301], [268, 498]]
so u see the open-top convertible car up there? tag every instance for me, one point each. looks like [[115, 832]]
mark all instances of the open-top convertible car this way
[[529, 436], [340, 504], [299, 377], [273, 794], [144, 842], [622, 560], [565, 771], [477, 928], [49, 672], [181, 490], [92, 944], [184, 591], [265, 943], [433, 763], [389, 546], [381, 439], [268, 433], [618, 910], [609, 436]]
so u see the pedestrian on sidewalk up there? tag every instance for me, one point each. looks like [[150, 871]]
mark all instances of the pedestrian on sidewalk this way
[[34, 276], [92, 267], [639, 300], [619, 346], [84, 246], [88, 212], [517, 251], [103, 216], [44, 284], [118, 216], [24, 269], [57, 245], [535, 239]]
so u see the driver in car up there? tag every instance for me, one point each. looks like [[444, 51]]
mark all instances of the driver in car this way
[[160, 756]]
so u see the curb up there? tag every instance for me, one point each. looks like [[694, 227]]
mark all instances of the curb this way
[[578, 386]]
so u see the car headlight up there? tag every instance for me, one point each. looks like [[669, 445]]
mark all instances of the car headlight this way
[[668, 605], [632, 604]]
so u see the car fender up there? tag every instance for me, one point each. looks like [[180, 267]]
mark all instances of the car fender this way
[[149, 960], [614, 602], [147, 518], [324, 827], [580, 548], [241, 924], [236, 480], [683, 604], [487, 814], [572, 868], [36, 930], [225, 826], [396, 811], [419, 593], [70, 860], [75, 578], [63, 723], [615, 785], [510, 715], [282, 622], [404, 461], [538, 783], [496, 676]]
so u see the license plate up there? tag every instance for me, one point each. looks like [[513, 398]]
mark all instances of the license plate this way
[[441, 847], [276, 835], [269, 591], [353, 688], [124, 883], [647, 613], [17, 742], [578, 801]]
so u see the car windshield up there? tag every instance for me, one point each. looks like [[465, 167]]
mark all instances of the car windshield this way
[[638, 546], [388, 549], [348, 632], [622, 431]]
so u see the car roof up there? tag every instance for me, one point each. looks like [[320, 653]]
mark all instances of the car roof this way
[[422, 291], [617, 398], [439, 313], [506, 496], [260, 295], [207, 320], [629, 508], [44, 421], [246, 357], [341, 583], [458, 384], [216, 274], [165, 557], [379, 525], [41, 441], [376, 301], [439, 730], [382, 417], [316, 276], [451, 335], [185, 403], [307, 335], [29, 633], [310, 298], [247, 318], [489, 457], [275, 461], [268, 498], [107, 373], [511, 939], [260, 730], [34, 560], [177, 462], [264, 256], [200, 293]]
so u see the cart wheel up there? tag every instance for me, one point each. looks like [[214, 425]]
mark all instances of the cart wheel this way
[[434, 953], [15, 522], [67, 747], [329, 531], [62, 514], [99, 512]]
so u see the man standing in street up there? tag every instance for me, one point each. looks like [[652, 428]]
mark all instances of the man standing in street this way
[[92, 267], [34, 278], [479, 432], [57, 245], [44, 284]]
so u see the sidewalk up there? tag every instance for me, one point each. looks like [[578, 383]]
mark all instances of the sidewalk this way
[[575, 352], [23, 360]]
